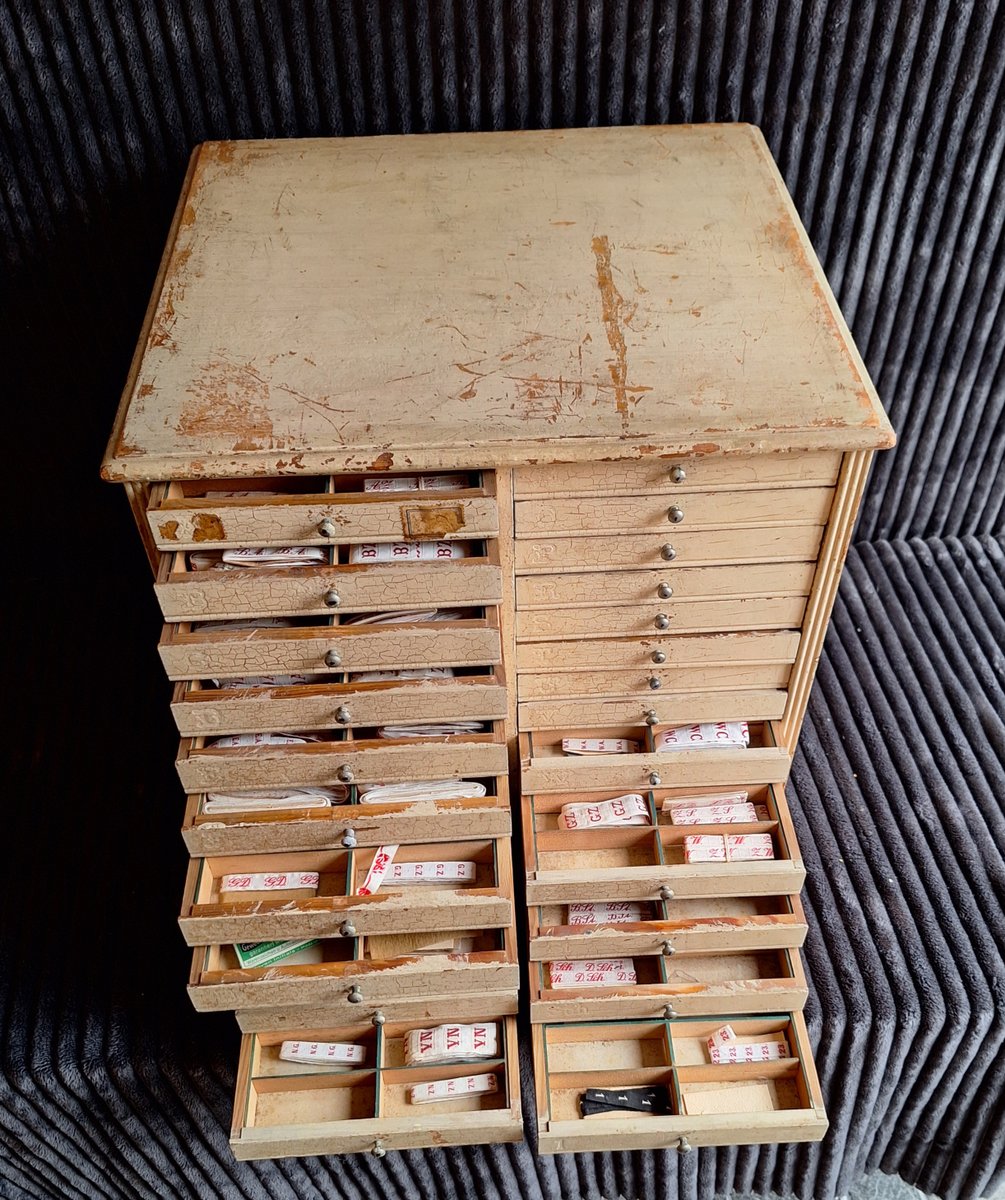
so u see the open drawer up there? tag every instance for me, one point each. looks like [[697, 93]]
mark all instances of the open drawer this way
[[209, 595], [648, 862], [283, 1109], [394, 976], [704, 1103], [655, 985], [354, 823], [199, 708], [317, 511], [547, 768], [334, 907], [343, 756], [734, 924]]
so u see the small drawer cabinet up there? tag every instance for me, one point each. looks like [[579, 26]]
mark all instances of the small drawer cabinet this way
[[496, 490]]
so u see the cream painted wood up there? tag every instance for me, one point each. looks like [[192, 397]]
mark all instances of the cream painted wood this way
[[585, 516], [188, 654], [691, 650], [672, 615], [688, 548], [682, 708], [680, 473], [591, 589], [198, 710], [429, 1009], [638, 683], [220, 595]]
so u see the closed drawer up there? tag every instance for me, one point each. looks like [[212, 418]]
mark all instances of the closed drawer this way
[[198, 709], [677, 474], [202, 515], [664, 708], [283, 1110], [195, 654], [547, 769], [345, 759], [590, 589], [724, 925], [351, 983], [709, 1104], [687, 548], [351, 824], [683, 985], [186, 595], [657, 680], [681, 650], [585, 516], [647, 863], [673, 616], [209, 916]]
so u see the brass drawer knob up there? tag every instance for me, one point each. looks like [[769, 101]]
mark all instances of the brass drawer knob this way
[[345, 773], [349, 840], [347, 929], [666, 893], [668, 552], [355, 995], [652, 718], [343, 715], [659, 656], [655, 683], [668, 950], [683, 1146], [655, 779], [332, 598], [675, 514], [662, 621], [333, 659], [678, 474], [664, 591], [327, 528]]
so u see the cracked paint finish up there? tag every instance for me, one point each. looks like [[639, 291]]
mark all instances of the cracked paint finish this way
[[712, 648]]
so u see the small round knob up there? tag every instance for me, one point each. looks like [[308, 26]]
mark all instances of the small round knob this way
[[668, 552], [664, 591], [655, 779], [654, 683], [355, 995], [378, 1150], [666, 893], [347, 929], [378, 1018], [345, 773], [658, 656], [652, 718], [678, 474], [662, 621], [675, 514], [683, 1146], [333, 659], [670, 1013], [343, 715], [332, 598], [349, 840], [327, 528], [668, 950]]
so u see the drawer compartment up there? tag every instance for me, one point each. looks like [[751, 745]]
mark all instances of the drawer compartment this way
[[733, 924], [686, 548], [547, 769], [351, 982], [186, 595], [341, 758], [282, 1109], [647, 863], [189, 653], [585, 517], [684, 985], [708, 1104], [666, 708], [677, 474], [694, 650], [210, 916], [205, 514], [200, 709]]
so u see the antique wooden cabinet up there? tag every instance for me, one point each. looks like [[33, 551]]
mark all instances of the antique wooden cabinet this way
[[477, 472]]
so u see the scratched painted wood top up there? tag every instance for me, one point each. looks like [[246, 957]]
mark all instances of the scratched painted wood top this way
[[487, 299]]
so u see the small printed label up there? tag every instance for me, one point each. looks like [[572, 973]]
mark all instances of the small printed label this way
[[269, 881], [452, 1089], [450, 1043], [379, 868], [323, 1053]]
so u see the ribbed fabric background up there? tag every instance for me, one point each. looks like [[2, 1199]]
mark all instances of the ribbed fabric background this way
[[887, 122]]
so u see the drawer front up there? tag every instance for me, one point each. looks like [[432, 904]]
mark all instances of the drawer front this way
[[710, 1104], [592, 588], [686, 985], [188, 655], [282, 1111], [677, 474], [320, 764], [219, 595], [692, 650], [319, 520], [686, 548], [330, 706], [429, 1009], [673, 616], [684, 708], [657, 680], [583, 516], [347, 825]]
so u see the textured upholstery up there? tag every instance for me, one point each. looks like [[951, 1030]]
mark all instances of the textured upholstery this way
[[887, 122]]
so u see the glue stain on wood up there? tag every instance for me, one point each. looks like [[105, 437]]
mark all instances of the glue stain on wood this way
[[616, 314], [432, 523]]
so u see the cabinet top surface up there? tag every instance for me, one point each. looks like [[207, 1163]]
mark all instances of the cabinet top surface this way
[[487, 299]]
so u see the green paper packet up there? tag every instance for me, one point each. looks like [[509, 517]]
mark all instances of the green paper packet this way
[[265, 954]]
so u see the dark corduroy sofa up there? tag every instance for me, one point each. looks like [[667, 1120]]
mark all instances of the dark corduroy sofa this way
[[887, 122]]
